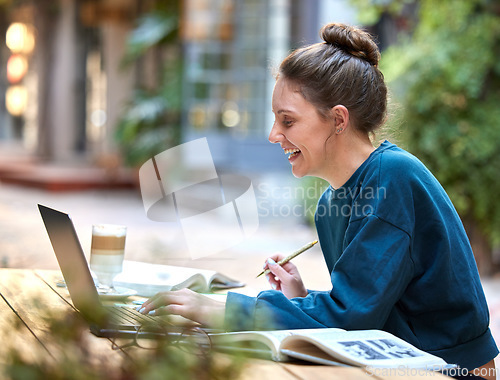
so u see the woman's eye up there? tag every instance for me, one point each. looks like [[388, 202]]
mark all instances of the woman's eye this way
[[287, 123]]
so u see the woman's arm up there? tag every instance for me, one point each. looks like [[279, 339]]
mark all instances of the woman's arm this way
[[367, 281]]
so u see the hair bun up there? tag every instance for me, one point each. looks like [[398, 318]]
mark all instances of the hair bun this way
[[352, 40]]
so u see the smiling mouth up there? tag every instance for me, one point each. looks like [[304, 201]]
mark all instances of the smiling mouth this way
[[292, 152]]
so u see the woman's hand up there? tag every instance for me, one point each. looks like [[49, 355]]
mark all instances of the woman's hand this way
[[285, 278], [188, 304]]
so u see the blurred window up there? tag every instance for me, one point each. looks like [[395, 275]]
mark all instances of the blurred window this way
[[226, 65]]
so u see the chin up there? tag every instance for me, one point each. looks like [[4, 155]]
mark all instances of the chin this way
[[297, 173]]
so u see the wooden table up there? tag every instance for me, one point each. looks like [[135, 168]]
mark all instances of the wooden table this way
[[27, 294]]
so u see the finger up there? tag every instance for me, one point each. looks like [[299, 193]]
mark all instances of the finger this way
[[186, 310], [146, 304], [289, 267], [277, 270], [273, 281], [152, 304], [171, 309], [277, 256], [160, 300], [157, 312]]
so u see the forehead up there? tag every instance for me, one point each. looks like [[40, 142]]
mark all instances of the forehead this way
[[287, 97]]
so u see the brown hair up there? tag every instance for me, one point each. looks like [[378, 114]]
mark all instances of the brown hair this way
[[341, 70]]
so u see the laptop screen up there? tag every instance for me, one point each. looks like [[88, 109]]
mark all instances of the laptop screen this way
[[73, 263]]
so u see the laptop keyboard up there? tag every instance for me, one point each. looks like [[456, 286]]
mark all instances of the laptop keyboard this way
[[129, 316]]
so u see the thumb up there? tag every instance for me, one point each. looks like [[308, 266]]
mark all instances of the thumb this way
[[276, 269]]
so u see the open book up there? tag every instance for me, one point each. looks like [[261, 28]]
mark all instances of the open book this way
[[331, 346], [149, 279]]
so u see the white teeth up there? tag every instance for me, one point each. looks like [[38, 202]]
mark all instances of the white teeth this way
[[292, 152]]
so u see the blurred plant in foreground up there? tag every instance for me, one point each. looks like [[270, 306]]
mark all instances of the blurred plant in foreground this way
[[69, 351]]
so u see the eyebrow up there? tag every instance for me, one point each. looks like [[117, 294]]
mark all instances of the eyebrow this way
[[283, 111]]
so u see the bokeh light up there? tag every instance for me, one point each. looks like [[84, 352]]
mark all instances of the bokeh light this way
[[17, 66], [16, 99], [230, 114], [20, 38]]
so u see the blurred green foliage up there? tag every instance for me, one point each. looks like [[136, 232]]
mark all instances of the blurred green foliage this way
[[151, 122], [152, 29], [445, 75], [371, 11], [74, 354]]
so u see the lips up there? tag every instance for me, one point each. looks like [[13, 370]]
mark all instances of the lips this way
[[292, 152]]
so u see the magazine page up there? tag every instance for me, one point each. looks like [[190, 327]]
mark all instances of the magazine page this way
[[217, 281], [260, 343], [371, 348], [148, 279], [311, 353]]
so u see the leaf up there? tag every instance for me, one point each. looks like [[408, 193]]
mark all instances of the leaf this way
[[151, 30]]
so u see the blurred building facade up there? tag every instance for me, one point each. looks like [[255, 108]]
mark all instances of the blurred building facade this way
[[75, 88]]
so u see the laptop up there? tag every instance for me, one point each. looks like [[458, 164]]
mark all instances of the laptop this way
[[104, 320]]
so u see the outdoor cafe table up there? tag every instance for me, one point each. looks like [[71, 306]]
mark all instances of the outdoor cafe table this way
[[19, 287]]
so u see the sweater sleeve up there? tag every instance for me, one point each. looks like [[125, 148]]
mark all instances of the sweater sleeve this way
[[368, 279]]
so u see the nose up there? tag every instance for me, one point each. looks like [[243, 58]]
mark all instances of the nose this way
[[276, 136]]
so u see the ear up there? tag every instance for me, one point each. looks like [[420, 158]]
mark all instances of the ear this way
[[341, 117]]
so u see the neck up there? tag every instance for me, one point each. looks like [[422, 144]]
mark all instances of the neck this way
[[350, 152]]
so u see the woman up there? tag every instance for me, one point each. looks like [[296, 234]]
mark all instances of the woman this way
[[396, 249]]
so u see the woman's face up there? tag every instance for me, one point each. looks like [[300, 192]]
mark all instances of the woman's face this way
[[301, 131]]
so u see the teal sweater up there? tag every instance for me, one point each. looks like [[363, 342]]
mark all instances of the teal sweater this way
[[399, 260]]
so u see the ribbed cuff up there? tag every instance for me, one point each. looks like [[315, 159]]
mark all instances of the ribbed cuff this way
[[472, 354]]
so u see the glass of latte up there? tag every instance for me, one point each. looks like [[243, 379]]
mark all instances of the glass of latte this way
[[106, 254]]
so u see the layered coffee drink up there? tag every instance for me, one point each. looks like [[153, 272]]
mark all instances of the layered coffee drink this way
[[107, 253]]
